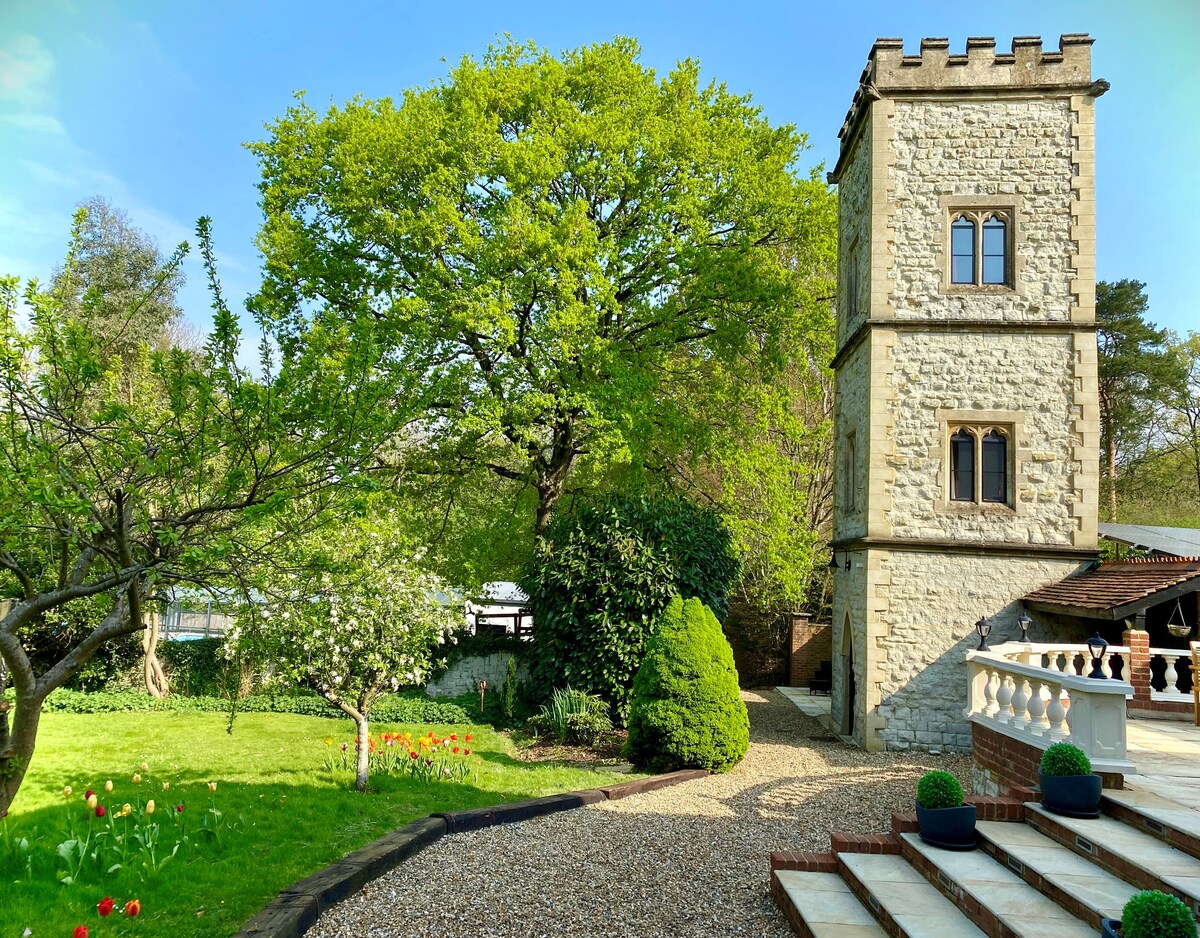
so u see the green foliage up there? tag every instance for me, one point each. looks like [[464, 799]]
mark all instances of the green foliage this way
[[573, 716], [939, 789], [510, 689], [1138, 375], [602, 575], [564, 248], [686, 711], [1065, 759], [198, 668], [1154, 914], [486, 642], [411, 707]]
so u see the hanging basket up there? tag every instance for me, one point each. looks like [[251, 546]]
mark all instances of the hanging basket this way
[[1177, 626]]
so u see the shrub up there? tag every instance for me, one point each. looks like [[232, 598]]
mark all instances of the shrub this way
[[1154, 914], [1065, 759], [939, 790], [686, 711], [412, 707], [602, 575], [574, 716], [510, 689]]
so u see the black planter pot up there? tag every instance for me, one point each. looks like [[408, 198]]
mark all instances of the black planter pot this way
[[1111, 927], [948, 828], [1072, 795]]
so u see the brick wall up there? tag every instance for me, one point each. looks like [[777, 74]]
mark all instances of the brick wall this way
[[1011, 765], [812, 643]]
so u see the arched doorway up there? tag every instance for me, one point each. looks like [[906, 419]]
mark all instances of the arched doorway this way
[[847, 649]]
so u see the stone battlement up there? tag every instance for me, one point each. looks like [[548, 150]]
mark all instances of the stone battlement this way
[[980, 68]]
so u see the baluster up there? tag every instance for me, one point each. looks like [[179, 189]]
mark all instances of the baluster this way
[[1106, 666], [990, 689], [1037, 710], [1004, 700], [1056, 715], [1183, 664], [1020, 704]]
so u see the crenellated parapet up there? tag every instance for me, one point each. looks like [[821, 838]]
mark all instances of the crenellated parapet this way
[[980, 69]]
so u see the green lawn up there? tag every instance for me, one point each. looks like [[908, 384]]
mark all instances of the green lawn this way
[[297, 817]]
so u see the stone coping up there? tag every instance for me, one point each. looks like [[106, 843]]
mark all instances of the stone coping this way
[[297, 907]]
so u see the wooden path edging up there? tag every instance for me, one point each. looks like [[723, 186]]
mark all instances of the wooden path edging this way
[[297, 907]]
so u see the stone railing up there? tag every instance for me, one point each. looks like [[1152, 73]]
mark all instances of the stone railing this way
[[1171, 668], [1035, 693]]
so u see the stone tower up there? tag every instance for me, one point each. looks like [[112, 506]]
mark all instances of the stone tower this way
[[967, 422]]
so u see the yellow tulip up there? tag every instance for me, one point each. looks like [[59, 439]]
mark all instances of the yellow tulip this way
[[212, 786], [126, 809], [137, 779], [92, 802], [108, 786], [67, 791], [150, 806], [328, 740], [145, 767], [166, 786]]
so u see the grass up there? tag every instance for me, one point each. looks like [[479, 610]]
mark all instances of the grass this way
[[297, 815]]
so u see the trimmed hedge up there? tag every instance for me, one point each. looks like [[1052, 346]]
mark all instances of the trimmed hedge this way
[[938, 789], [1154, 914], [397, 708], [1063, 759], [687, 712]]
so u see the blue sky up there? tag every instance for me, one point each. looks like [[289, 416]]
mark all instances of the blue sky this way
[[148, 103]]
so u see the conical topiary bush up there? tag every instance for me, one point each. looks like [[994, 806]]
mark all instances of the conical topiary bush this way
[[686, 711]]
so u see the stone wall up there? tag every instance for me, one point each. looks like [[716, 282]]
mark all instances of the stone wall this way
[[1018, 378], [1003, 153], [854, 232], [464, 675], [927, 604], [853, 394]]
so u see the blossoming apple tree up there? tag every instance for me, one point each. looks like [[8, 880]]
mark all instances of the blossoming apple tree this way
[[353, 617], [115, 487]]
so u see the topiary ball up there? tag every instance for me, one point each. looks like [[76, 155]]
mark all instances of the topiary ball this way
[[939, 790], [687, 712], [1065, 759], [1154, 914]]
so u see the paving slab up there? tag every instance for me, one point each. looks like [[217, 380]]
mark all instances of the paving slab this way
[[828, 907]]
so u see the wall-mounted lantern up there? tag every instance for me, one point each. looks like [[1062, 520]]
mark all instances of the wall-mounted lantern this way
[[833, 561]]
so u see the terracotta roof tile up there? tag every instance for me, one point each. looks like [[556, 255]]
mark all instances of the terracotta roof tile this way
[[1118, 583]]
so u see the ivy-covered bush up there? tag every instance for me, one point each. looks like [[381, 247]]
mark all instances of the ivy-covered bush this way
[[939, 789], [1154, 914], [686, 710], [601, 576], [1065, 759]]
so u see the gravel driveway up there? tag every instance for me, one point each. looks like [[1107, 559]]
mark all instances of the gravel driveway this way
[[685, 861]]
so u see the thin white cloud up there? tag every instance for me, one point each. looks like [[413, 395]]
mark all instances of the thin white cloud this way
[[35, 123], [25, 69]]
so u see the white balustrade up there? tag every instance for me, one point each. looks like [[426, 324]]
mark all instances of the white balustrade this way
[[1174, 664], [1026, 691]]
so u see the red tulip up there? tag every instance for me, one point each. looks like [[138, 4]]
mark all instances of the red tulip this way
[[101, 810], [81, 931], [455, 750], [87, 794], [179, 809], [105, 906], [133, 907], [467, 738], [466, 752], [453, 737]]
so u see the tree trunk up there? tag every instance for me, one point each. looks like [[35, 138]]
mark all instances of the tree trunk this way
[[16, 747], [156, 679], [1111, 459], [364, 753]]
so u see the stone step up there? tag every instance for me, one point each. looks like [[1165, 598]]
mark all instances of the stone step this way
[[1136, 857], [996, 899], [902, 899], [1075, 882], [1171, 822], [821, 905]]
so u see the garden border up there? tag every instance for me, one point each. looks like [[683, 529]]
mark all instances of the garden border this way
[[296, 909]]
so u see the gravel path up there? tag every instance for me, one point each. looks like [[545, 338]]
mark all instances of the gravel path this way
[[685, 861]]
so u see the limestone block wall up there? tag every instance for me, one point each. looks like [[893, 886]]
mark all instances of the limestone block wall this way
[[854, 237], [850, 622], [853, 390], [1017, 378], [926, 605], [464, 675], [1014, 153]]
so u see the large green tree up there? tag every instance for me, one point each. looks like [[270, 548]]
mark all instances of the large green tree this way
[[559, 246], [117, 485], [1138, 374]]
